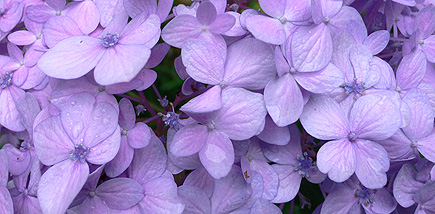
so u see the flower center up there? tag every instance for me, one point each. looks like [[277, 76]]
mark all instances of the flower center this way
[[109, 40], [171, 119], [354, 87], [79, 153], [6, 80], [92, 193], [305, 165], [352, 136], [365, 195]]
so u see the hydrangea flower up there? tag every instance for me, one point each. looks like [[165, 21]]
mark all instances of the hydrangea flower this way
[[118, 54], [353, 148], [84, 131], [6, 206]]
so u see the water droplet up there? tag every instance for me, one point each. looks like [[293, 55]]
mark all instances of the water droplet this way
[[73, 103]]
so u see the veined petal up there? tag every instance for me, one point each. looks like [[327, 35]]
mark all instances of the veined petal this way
[[289, 182], [338, 159], [86, 15], [411, 70], [60, 184], [52, 143], [311, 48], [242, 114], [121, 63], [323, 118], [283, 99], [365, 119], [428, 48], [421, 123], [217, 155], [372, 163], [120, 193], [203, 62], [72, 57], [323, 81], [377, 41], [59, 28], [266, 29], [250, 64], [273, 8], [180, 29], [9, 115], [189, 140], [106, 150], [121, 161], [139, 136], [141, 30]]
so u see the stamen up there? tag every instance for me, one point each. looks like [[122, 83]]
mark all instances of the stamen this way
[[365, 195], [79, 153], [6, 80], [109, 39], [305, 165]]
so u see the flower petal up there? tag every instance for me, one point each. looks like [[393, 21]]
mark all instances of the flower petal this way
[[250, 64], [180, 29], [60, 184], [106, 150], [323, 81], [266, 29], [337, 158], [72, 57], [52, 143], [203, 62], [189, 140], [121, 63], [323, 118], [121, 161], [289, 182], [364, 117], [242, 114], [311, 48], [372, 163], [411, 70], [217, 155], [120, 193]]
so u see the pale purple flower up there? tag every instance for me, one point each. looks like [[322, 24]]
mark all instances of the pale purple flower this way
[[247, 63], [11, 12], [290, 83], [284, 16], [211, 138], [6, 206], [352, 197], [110, 196], [160, 8], [291, 166], [85, 130], [411, 187], [418, 135], [228, 193], [148, 168], [354, 133], [9, 94], [85, 13], [24, 194], [207, 25], [133, 136], [117, 55]]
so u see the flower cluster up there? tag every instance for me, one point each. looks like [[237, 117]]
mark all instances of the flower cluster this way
[[340, 93]]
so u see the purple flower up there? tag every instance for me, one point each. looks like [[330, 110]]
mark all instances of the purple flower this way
[[241, 116], [84, 131], [117, 55], [285, 15], [148, 168], [354, 134], [11, 12], [133, 136], [207, 25], [351, 196], [6, 206], [291, 166], [112, 195], [412, 187]]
